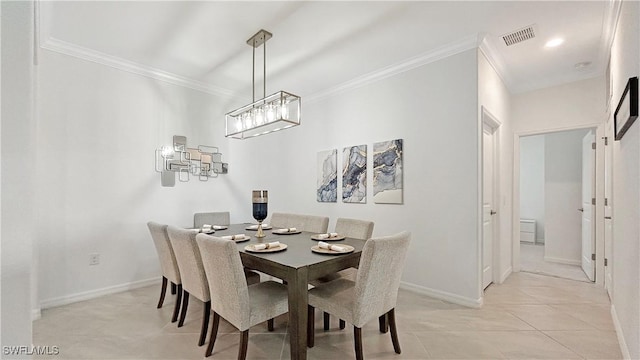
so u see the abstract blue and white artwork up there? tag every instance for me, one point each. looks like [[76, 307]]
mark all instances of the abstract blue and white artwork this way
[[354, 174], [387, 172], [327, 185]]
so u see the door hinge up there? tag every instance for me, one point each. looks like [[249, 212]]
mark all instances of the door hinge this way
[[593, 201], [593, 257], [606, 263], [606, 201], [593, 146], [606, 140]]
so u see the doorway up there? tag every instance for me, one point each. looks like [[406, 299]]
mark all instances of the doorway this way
[[557, 196]]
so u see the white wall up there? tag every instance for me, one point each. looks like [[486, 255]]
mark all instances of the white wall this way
[[625, 63], [96, 186], [433, 108], [571, 105], [532, 182], [494, 96], [18, 173], [563, 196]]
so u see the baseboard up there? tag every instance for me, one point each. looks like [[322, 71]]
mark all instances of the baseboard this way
[[563, 261], [92, 294], [36, 314], [623, 344], [442, 295], [505, 274]]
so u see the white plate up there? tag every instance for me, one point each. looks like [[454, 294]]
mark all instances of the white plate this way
[[285, 232], [251, 248], [319, 250]]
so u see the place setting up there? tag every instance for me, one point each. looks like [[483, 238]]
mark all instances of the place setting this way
[[236, 238], [210, 229], [332, 249], [328, 237], [274, 246], [286, 231]]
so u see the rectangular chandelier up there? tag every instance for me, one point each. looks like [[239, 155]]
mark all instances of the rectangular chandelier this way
[[275, 112]]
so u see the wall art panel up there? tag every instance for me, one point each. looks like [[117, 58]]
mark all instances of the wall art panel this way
[[327, 175], [354, 174], [387, 172]]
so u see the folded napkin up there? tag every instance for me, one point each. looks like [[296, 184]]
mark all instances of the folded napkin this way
[[218, 227], [338, 248], [289, 230], [233, 237], [270, 245], [327, 236]]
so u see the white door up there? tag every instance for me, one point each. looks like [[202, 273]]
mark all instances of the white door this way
[[608, 226], [588, 186], [488, 157]]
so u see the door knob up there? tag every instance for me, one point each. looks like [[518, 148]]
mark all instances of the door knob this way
[[581, 210], [492, 212]]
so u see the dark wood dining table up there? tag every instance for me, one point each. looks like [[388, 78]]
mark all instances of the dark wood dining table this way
[[296, 265]]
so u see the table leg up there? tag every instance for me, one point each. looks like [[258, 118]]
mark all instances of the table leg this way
[[298, 301]]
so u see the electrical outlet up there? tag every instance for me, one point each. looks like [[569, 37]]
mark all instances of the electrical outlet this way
[[94, 259]]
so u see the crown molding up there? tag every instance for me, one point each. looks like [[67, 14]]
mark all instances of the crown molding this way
[[494, 58], [63, 47], [609, 25], [454, 48]]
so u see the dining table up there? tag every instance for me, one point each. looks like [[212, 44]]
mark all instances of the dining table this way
[[296, 266]]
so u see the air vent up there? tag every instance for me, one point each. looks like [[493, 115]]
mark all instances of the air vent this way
[[519, 36]]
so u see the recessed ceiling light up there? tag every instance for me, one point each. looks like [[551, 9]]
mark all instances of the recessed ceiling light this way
[[554, 42]]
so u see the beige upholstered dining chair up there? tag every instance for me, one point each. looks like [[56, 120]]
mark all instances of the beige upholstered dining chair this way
[[372, 294], [231, 298], [352, 228], [194, 280], [211, 218], [310, 223], [168, 265]]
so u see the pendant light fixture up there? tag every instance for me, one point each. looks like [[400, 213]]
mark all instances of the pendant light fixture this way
[[275, 112]]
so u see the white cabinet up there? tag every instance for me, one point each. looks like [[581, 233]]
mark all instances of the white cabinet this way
[[528, 231]]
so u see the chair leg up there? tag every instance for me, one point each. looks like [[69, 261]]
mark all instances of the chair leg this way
[[173, 288], [326, 318], [342, 324], [357, 337], [244, 343], [394, 332], [185, 305], [214, 334], [384, 323], [205, 322], [162, 291], [176, 308], [310, 328], [270, 324]]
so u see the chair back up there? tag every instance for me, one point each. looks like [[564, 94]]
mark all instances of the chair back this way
[[194, 280], [168, 263], [211, 218], [378, 279], [357, 229], [310, 223], [227, 282]]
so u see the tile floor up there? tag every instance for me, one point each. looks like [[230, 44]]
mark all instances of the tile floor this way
[[528, 317], [532, 260]]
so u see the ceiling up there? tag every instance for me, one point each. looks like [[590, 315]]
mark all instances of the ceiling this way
[[317, 46]]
